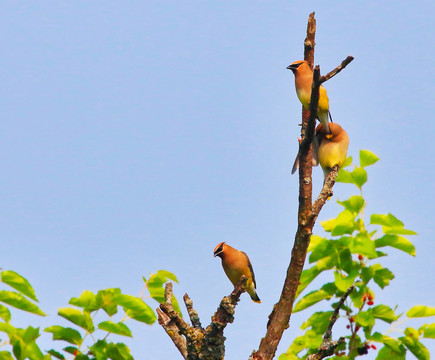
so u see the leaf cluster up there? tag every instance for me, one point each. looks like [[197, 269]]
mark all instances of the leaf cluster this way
[[86, 338], [351, 254]]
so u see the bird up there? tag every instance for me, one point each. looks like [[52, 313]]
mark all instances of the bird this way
[[303, 81], [328, 149], [236, 264]]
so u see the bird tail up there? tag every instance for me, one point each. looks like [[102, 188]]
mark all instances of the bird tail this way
[[255, 298]]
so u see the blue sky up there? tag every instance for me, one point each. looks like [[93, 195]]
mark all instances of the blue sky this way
[[138, 135]]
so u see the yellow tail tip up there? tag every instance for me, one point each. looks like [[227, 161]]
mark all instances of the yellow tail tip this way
[[257, 301]]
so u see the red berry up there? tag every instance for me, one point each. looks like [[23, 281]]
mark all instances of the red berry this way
[[360, 257], [357, 328], [370, 302], [351, 319], [373, 347], [347, 326]]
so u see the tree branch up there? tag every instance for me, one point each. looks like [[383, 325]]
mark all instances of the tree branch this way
[[169, 325], [307, 212], [194, 342], [193, 314], [328, 346], [326, 192], [334, 72]]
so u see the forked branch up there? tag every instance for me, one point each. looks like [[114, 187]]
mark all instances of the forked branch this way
[[307, 213]]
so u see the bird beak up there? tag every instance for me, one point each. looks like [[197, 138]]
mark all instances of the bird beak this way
[[290, 67]]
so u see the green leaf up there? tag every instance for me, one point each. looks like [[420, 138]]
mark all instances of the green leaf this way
[[384, 313], [307, 276], [115, 328], [344, 223], [56, 354], [312, 339], [344, 176], [429, 331], [326, 292], [318, 322], [29, 334], [65, 333], [398, 242], [322, 250], [87, 300], [18, 283], [5, 314], [382, 277], [162, 275], [421, 311], [70, 349], [347, 162], [387, 353], [354, 204], [365, 319], [6, 355], [20, 302], [105, 298], [367, 158], [359, 176], [362, 244], [136, 308], [82, 319], [8, 329], [103, 350], [414, 345], [119, 351], [344, 282], [390, 224], [295, 348]]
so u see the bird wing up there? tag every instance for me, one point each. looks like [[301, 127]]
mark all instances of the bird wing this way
[[295, 164], [250, 269]]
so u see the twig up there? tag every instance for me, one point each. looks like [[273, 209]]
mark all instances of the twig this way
[[334, 72], [225, 312], [171, 326], [328, 346], [169, 310], [334, 316], [193, 314], [325, 193], [172, 330]]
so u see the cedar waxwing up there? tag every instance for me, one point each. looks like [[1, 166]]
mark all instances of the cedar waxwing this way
[[328, 149], [303, 81], [332, 148], [236, 264]]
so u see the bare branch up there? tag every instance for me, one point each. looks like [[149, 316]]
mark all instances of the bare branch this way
[[326, 192], [309, 42], [172, 331], [193, 314], [225, 312], [172, 324], [334, 316], [328, 346], [327, 351], [169, 310], [334, 72]]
